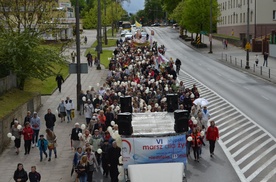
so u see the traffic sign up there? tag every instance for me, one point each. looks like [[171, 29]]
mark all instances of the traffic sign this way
[[247, 46]]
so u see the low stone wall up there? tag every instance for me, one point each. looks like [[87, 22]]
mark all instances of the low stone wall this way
[[7, 83], [32, 105], [235, 42]]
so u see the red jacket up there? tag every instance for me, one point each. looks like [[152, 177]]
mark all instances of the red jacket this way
[[196, 139], [28, 133], [212, 133]]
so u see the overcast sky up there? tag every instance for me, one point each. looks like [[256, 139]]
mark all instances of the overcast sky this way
[[133, 6]]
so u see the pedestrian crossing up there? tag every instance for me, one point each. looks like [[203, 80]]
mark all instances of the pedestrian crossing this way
[[250, 148]]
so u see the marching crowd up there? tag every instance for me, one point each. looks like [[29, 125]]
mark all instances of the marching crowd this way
[[139, 72]]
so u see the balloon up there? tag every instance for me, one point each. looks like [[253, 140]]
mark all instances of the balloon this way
[[98, 84], [112, 123], [120, 177], [189, 138], [9, 135], [89, 87], [202, 133], [12, 138], [109, 129], [80, 135], [83, 126], [99, 151], [120, 169], [119, 94], [120, 159], [83, 98], [19, 127]]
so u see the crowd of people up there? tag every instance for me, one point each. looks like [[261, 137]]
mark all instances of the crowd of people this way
[[140, 72]]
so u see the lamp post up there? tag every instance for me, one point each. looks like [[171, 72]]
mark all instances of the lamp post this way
[[105, 34], [247, 37], [211, 24], [99, 36], [78, 54]]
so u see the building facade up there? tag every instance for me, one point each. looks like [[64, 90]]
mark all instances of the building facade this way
[[233, 18]]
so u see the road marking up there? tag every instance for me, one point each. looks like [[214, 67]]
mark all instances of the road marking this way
[[253, 175], [253, 151], [265, 97], [218, 106], [231, 80], [232, 131], [227, 116], [226, 113], [231, 125], [222, 143], [267, 177], [232, 120], [219, 74]]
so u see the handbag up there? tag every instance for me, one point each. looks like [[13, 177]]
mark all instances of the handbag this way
[[91, 167], [51, 146]]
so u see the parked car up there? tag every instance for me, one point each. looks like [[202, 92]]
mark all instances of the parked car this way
[[155, 25]]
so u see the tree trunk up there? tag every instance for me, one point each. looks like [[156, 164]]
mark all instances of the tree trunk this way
[[20, 83]]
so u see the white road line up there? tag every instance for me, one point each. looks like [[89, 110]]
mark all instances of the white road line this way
[[219, 74], [246, 146], [229, 126], [269, 175], [227, 116], [245, 138], [231, 120], [234, 137], [265, 97], [231, 80], [249, 165], [218, 106], [211, 101], [226, 113], [234, 130], [221, 109], [246, 88], [211, 97], [253, 151], [253, 175]]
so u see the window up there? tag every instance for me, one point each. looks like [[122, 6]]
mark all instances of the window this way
[[240, 18], [274, 14], [237, 18], [243, 17], [251, 16]]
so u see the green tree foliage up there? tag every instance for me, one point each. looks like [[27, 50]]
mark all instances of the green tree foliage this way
[[170, 5], [22, 24], [154, 9], [196, 15], [24, 55], [177, 14], [114, 12]]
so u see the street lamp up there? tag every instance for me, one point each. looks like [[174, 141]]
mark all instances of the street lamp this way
[[78, 53], [248, 44], [211, 23], [99, 36]]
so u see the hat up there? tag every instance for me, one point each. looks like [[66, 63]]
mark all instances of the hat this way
[[96, 130], [94, 117], [35, 112], [77, 124], [41, 135], [15, 122]]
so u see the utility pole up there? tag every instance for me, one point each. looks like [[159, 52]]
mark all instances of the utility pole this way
[[99, 36], [211, 27], [247, 37], [105, 34], [78, 53]]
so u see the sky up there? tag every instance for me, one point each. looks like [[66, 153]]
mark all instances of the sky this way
[[133, 6]]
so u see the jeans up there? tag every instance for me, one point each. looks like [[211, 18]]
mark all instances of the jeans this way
[[35, 136], [50, 152], [41, 152], [68, 113], [196, 152], [83, 178]]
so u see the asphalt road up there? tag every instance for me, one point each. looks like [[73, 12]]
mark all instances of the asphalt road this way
[[249, 97]]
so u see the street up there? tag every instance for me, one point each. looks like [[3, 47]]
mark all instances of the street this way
[[242, 105]]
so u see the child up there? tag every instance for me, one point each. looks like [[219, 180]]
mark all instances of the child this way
[[42, 145]]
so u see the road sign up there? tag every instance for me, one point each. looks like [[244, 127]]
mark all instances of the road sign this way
[[203, 32], [73, 68], [247, 46]]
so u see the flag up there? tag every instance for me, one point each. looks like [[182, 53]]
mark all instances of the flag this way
[[137, 24]]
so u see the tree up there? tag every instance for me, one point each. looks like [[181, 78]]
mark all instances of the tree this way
[[170, 5], [155, 10], [22, 24], [196, 15]]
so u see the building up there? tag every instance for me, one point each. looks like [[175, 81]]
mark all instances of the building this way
[[233, 18]]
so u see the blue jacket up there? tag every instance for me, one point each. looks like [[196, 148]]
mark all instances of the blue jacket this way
[[45, 144]]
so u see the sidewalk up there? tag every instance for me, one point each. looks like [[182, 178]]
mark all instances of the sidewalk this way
[[58, 170], [235, 54]]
